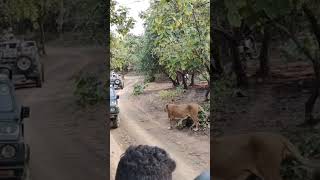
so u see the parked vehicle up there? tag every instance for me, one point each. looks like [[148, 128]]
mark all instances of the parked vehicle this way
[[14, 152], [23, 58], [114, 108], [116, 80]]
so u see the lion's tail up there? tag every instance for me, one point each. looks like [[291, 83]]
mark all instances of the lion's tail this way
[[294, 152]]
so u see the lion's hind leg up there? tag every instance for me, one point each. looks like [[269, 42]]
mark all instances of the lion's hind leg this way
[[179, 123], [195, 122]]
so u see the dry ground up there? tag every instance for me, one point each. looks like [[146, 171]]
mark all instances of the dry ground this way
[[66, 142]]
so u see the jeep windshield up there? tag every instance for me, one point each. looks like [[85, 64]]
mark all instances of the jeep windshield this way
[[6, 100]]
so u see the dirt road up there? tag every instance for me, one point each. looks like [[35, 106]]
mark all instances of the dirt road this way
[[139, 126], [66, 142]]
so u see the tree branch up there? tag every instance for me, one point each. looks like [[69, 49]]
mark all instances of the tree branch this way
[[223, 32], [195, 21], [313, 21], [200, 5], [295, 40]]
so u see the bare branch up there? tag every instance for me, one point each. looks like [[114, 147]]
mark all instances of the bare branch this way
[[226, 34], [295, 40]]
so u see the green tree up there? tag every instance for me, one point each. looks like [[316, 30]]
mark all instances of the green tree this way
[[284, 16], [181, 37], [120, 48], [119, 17], [148, 62], [124, 51]]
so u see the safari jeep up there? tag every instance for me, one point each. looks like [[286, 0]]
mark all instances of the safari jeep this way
[[24, 60], [114, 108], [116, 80], [14, 152]]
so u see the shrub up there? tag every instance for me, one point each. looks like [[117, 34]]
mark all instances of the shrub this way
[[149, 78], [203, 119], [180, 90], [308, 144], [171, 94], [88, 90], [167, 94], [221, 89], [139, 89]]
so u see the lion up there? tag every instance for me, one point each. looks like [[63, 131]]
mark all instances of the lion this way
[[183, 111], [237, 157]]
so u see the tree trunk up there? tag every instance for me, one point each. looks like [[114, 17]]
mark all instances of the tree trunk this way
[[234, 43], [314, 23], [177, 79], [42, 38], [309, 106], [61, 19], [264, 54], [185, 85], [217, 43], [242, 80], [192, 79], [184, 82], [217, 57], [207, 94], [174, 82]]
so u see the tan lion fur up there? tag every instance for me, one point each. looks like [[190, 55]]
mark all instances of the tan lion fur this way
[[236, 157], [183, 111]]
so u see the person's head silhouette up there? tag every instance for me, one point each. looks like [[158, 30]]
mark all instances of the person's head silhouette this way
[[145, 162]]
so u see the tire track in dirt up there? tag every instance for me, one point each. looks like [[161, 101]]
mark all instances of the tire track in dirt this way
[[115, 153], [64, 146]]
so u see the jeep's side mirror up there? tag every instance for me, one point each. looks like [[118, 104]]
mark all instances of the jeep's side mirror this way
[[117, 96], [25, 112]]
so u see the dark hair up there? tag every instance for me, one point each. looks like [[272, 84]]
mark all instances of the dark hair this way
[[145, 162]]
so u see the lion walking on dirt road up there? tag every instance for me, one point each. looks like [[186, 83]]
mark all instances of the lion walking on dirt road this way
[[183, 111]]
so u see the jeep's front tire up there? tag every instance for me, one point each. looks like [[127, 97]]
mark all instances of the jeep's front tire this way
[[116, 122]]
